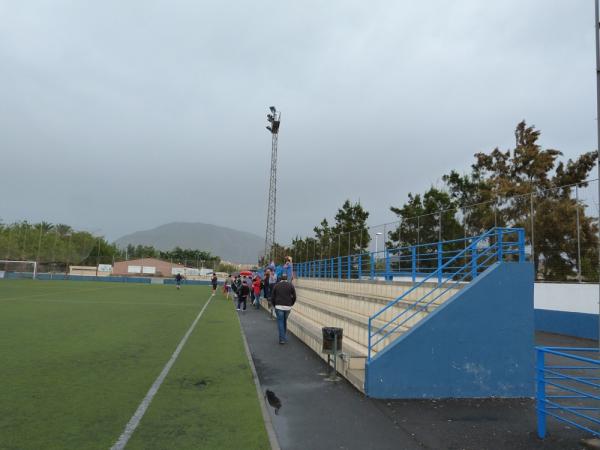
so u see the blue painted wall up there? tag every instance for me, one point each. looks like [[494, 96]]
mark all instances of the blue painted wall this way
[[569, 323], [478, 344], [109, 279]]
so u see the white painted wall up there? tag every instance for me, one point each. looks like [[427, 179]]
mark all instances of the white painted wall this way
[[569, 297]]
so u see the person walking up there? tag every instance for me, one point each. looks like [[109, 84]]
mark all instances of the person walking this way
[[288, 269], [236, 285], [272, 282], [243, 293], [283, 298], [214, 281], [256, 292], [227, 286], [266, 284]]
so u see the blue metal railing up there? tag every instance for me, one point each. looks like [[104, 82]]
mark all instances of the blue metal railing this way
[[494, 246], [568, 388], [438, 266], [411, 262]]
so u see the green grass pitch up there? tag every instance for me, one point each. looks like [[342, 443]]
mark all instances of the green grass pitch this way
[[77, 358]]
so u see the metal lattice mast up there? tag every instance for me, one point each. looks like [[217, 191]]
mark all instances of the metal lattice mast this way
[[274, 119]]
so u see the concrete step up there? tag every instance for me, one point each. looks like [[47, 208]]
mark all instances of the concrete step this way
[[357, 378], [355, 325], [383, 291], [350, 347], [364, 306], [350, 363], [328, 310]]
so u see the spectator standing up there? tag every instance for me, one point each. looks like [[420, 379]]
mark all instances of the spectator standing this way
[[243, 293], [283, 298], [214, 281], [288, 268], [178, 279]]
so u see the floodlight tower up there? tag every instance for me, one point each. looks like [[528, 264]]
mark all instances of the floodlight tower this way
[[274, 119]]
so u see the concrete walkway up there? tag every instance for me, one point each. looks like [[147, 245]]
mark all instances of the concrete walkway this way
[[318, 414]]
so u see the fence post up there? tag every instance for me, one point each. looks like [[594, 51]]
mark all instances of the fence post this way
[[540, 395], [440, 262], [369, 342], [349, 267], [359, 266], [372, 266], [521, 236], [387, 264], [473, 263], [500, 244], [413, 252]]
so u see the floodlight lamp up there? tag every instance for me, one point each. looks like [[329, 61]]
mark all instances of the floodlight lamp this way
[[270, 129], [272, 108], [270, 117]]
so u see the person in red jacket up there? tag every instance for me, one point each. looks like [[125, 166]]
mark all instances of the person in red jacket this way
[[256, 292]]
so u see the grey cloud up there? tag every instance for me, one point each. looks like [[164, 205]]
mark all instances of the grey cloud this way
[[121, 116]]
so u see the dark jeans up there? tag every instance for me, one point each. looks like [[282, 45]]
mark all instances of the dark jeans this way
[[282, 317], [267, 290], [241, 301], [256, 299]]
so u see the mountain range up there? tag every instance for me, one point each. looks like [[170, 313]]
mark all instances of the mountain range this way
[[231, 245]]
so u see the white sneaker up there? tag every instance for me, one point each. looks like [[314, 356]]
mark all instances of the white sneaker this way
[[237, 309]]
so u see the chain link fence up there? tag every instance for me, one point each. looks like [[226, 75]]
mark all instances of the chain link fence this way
[[561, 231]]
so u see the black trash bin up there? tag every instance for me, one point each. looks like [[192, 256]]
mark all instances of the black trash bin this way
[[329, 339]]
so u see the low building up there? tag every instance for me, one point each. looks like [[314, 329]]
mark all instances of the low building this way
[[103, 270], [146, 266]]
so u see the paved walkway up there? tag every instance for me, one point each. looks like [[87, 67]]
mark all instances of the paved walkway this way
[[318, 414]]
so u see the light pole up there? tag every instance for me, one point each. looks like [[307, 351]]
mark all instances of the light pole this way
[[274, 119], [377, 244], [597, 31], [67, 270]]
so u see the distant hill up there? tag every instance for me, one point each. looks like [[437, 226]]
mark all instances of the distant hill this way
[[230, 245]]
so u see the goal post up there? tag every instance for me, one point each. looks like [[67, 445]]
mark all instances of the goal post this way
[[18, 269]]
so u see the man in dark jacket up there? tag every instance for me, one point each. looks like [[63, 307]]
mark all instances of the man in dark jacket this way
[[243, 293], [283, 297]]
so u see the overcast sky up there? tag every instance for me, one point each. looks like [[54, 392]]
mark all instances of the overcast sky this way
[[117, 116]]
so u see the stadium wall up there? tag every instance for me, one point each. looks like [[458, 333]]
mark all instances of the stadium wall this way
[[480, 343], [567, 308]]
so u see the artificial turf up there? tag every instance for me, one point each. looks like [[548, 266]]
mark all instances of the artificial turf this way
[[79, 357]]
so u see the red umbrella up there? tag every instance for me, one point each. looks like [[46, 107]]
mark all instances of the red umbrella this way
[[246, 273]]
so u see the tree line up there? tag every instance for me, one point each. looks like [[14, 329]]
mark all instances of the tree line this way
[[55, 246], [526, 186]]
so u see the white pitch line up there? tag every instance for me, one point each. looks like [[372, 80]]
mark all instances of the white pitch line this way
[[141, 410]]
